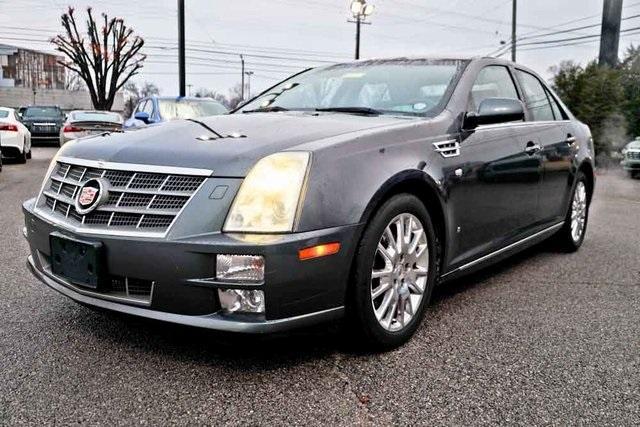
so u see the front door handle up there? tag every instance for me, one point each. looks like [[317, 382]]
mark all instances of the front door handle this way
[[532, 148]]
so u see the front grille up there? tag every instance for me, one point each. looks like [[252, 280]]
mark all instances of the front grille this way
[[126, 287], [134, 290], [633, 155], [138, 201]]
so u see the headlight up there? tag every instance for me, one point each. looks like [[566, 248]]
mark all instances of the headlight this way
[[270, 195]]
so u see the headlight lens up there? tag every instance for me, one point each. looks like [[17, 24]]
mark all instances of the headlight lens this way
[[269, 196]]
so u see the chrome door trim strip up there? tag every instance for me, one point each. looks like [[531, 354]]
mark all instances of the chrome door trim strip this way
[[134, 167], [504, 249]]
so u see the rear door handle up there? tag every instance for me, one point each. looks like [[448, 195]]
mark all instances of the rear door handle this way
[[532, 148]]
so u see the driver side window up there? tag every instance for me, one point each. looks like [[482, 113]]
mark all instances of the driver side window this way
[[493, 81]]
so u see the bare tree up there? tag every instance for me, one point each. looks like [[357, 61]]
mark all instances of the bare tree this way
[[105, 59]]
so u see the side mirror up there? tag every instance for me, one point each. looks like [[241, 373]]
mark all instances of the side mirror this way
[[142, 116], [495, 110]]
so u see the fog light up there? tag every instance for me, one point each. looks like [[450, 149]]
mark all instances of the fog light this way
[[240, 268], [241, 300]]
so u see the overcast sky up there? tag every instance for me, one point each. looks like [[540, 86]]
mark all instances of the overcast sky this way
[[279, 37]]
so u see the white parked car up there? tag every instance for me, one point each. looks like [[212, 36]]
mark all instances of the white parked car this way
[[84, 123], [15, 138]]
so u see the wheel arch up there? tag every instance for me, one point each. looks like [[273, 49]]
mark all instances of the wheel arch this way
[[587, 169], [425, 188]]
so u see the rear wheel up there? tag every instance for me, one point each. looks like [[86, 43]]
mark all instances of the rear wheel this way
[[571, 235], [395, 271], [22, 157]]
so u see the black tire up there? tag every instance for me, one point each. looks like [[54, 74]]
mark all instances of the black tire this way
[[22, 158], [564, 238], [29, 154], [362, 324]]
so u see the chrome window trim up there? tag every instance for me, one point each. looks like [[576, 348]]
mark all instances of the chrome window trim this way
[[520, 124]]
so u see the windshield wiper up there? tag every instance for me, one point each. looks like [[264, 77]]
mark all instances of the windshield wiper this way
[[354, 110], [273, 109]]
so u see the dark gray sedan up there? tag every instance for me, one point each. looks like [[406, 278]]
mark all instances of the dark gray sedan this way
[[345, 191]]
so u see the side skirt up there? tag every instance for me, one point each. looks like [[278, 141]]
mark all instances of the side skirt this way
[[501, 253]]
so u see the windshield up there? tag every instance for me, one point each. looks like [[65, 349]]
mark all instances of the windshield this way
[[42, 112], [411, 86], [171, 109], [96, 116]]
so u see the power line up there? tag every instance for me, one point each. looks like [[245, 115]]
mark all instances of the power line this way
[[572, 38], [580, 43]]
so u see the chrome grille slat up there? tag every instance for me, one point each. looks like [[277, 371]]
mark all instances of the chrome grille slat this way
[[147, 202]]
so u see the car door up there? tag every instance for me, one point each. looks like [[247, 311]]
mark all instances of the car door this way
[[554, 134], [494, 198]]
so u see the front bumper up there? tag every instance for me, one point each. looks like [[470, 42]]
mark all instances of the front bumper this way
[[297, 293], [631, 165]]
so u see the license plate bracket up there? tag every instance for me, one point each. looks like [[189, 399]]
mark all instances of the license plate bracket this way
[[79, 262]]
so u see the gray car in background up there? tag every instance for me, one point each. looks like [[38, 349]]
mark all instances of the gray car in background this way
[[350, 190], [84, 123]]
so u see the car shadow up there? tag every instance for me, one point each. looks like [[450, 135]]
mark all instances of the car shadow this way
[[260, 352]]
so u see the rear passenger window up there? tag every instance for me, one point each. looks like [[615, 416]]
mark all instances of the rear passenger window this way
[[536, 97], [493, 81]]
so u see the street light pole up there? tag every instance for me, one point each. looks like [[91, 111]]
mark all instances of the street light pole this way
[[249, 74], [360, 10], [181, 50]]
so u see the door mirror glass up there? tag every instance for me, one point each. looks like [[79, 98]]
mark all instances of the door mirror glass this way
[[495, 110], [143, 116]]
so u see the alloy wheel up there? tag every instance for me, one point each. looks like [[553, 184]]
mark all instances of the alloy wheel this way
[[578, 211], [400, 272]]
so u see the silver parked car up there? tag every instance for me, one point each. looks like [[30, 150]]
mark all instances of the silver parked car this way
[[631, 160], [85, 123]]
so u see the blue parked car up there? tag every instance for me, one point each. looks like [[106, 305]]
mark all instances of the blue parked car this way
[[158, 109]]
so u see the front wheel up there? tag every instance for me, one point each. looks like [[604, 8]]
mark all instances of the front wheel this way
[[571, 235], [394, 273]]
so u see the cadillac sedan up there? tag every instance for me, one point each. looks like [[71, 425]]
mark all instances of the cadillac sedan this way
[[348, 191]]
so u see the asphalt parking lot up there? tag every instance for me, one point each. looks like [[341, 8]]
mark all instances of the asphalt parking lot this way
[[544, 338]]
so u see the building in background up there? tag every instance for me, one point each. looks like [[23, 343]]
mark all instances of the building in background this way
[[29, 77], [27, 68]]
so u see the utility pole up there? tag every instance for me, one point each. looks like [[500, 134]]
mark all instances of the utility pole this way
[[181, 50], [514, 16], [360, 10], [358, 24], [242, 77], [610, 32], [249, 74]]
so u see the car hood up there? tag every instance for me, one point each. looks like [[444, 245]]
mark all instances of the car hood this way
[[245, 138]]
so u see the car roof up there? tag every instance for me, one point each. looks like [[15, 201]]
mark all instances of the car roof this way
[[435, 58], [7, 109], [182, 98]]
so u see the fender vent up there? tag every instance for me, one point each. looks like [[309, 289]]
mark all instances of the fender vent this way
[[449, 148]]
